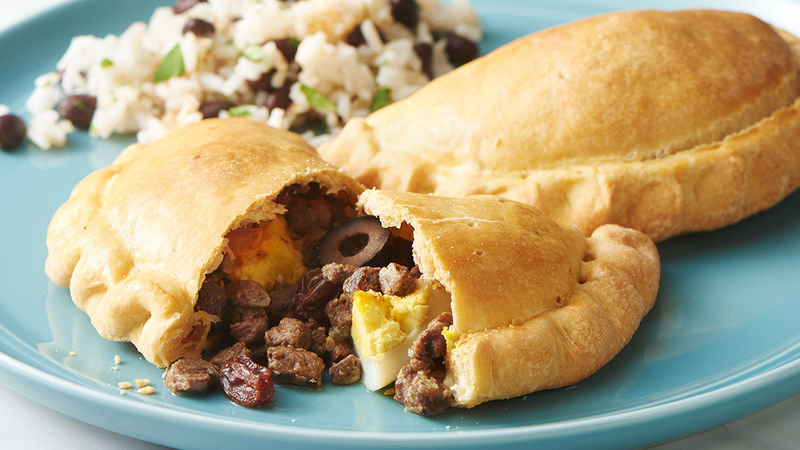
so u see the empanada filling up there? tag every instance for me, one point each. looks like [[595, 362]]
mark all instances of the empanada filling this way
[[313, 288]]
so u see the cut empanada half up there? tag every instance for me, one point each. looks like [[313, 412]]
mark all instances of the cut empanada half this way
[[534, 305], [228, 229], [136, 240], [666, 122]]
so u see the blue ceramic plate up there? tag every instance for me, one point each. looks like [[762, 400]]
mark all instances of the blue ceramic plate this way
[[721, 342]]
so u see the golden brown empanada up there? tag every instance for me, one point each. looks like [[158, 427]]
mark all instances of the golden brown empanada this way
[[135, 240], [667, 122], [535, 305]]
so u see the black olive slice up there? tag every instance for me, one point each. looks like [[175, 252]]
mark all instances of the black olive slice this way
[[355, 242]]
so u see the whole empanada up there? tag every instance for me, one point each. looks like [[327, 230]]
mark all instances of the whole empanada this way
[[666, 122]]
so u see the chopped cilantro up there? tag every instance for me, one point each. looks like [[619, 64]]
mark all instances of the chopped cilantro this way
[[382, 98], [317, 100], [80, 105], [106, 63], [253, 53], [239, 111], [171, 65]]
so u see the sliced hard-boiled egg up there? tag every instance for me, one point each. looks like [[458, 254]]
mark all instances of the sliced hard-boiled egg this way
[[385, 326]]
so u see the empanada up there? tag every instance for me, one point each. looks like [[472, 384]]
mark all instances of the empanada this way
[[143, 243], [534, 305], [136, 239], [666, 122]]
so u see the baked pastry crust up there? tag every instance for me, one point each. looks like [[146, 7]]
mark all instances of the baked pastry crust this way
[[535, 305], [136, 239], [666, 122]]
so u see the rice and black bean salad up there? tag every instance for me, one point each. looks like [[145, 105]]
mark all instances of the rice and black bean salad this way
[[304, 64]]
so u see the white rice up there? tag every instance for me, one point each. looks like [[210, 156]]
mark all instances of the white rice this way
[[119, 70]]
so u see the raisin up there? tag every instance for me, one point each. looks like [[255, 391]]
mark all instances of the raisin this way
[[247, 382], [313, 293]]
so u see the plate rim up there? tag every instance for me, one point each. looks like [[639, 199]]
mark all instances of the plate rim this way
[[681, 415], [774, 384]]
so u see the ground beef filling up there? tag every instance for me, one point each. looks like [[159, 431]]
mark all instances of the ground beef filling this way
[[419, 384], [291, 333]]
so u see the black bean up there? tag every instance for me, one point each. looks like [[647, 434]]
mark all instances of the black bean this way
[[212, 108], [78, 109], [406, 12], [355, 37], [424, 52], [279, 98], [263, 83], [460, 50], [288, 48], [185, 5], [199, 27], [12, 131]]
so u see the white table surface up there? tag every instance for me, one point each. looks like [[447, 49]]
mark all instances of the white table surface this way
[[25, 424]]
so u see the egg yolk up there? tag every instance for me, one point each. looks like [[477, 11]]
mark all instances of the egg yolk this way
[[381, 322], [263, 253]]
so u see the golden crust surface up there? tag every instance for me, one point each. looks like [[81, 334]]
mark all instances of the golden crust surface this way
[[484, 250], [135, 239], [667, 122], [617, 287], [535, 305]]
